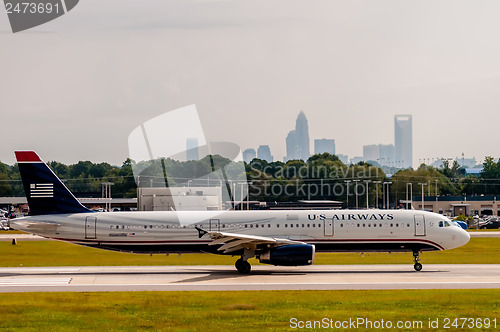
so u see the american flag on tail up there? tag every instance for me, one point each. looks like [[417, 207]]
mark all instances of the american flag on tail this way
[[42, 190]]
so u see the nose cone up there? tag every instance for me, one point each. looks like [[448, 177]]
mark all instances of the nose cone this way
[[460, 238]]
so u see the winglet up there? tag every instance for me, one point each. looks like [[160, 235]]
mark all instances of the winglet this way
[[201, 232]]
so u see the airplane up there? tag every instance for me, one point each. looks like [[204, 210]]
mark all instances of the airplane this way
[[277, 237]]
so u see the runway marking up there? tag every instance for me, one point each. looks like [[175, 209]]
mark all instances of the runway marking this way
[[35, 281]]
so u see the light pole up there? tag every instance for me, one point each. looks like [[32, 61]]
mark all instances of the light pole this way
[[106, 193], [376, 191], [388, 183], [356, 192], [409, 184], [367, 181], [423, 184], [347, 185]]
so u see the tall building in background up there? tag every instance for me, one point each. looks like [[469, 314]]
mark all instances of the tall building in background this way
[[264, 153], [371, 153], [297, 141], [324, 145], [343, 158], [192, 149], [386, 155], [249, 155], [403, 139]]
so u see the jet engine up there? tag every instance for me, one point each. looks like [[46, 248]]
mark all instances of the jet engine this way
[[289, 255]]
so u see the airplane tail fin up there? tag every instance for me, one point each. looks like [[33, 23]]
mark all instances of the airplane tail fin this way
[[46, 194]]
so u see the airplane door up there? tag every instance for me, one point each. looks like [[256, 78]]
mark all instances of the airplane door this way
[[90, 227], [419, 225], [329, 227], [214, 225]]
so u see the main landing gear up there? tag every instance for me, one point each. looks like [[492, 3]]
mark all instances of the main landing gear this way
[[242, 264], [416, 260]]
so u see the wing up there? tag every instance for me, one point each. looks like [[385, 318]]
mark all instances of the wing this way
[[233, 242]]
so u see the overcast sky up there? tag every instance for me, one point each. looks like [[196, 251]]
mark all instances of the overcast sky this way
[[74, 88]]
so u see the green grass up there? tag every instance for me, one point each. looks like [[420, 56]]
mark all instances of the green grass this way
[[56, 253], [12, 232], [239, 311]]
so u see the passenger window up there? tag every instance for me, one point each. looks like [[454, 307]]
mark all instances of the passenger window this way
[[392, 225], [286, 225], [341, 225], [397, 225], [291, 225]]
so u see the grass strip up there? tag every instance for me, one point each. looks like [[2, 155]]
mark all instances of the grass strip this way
[[240, 311]]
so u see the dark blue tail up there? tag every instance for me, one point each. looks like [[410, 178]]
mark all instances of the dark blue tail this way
[[46, 194]]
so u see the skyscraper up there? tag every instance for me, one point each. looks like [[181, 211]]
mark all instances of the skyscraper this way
[[403, 141], [249, 155], [371, 152], [192, 149], [264, 153], [324, 145], [386, 154], [297, 141]]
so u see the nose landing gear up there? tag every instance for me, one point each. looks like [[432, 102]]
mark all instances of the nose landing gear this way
[[416, 259]]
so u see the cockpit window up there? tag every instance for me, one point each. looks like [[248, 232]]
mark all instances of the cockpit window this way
[[444, 223], [441, 224]]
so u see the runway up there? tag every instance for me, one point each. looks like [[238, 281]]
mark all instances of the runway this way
[[218, 278]]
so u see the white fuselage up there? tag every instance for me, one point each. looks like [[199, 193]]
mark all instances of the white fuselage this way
[[328, 230]]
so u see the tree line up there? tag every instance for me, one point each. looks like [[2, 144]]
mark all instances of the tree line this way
[[322, 176]]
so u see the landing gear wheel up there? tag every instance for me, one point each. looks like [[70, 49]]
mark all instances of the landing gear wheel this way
[[242, 266], [416, 260]]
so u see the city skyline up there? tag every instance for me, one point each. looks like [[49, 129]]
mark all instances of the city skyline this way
[[250, 71]]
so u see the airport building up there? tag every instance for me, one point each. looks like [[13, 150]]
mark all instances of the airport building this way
[[179, 199], [459, 205]]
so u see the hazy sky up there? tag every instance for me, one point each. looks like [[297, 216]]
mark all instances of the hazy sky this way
[[73, 89]]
